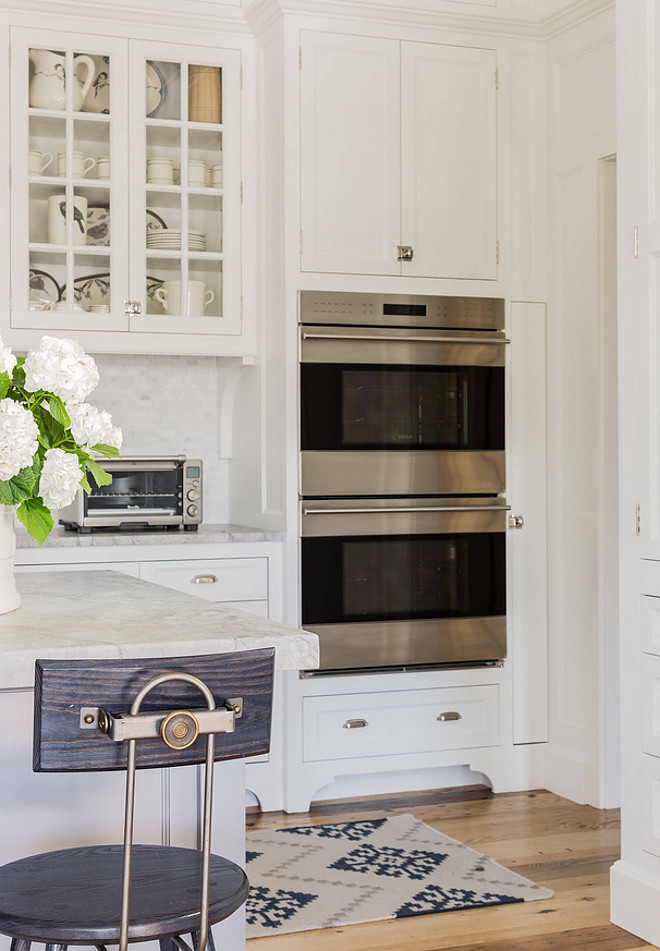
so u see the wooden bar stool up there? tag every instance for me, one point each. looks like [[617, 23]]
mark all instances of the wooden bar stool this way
[[116, 715]]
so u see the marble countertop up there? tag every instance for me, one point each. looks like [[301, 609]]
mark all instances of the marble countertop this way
[[206, 534], [73, 614]]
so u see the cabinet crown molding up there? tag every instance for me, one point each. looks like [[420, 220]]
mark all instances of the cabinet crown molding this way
[[457, 15]]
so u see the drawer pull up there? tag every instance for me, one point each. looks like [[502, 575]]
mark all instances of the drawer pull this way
[[354, 724], [203, 579], [450, 715]]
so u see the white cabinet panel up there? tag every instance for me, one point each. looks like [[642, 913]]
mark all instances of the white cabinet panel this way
[[221, 579], [360, 725], [449, 160], [350, 153]]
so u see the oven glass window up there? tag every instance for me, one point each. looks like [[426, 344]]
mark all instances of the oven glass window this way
[[345, 406], [403, 577], [157, 491]]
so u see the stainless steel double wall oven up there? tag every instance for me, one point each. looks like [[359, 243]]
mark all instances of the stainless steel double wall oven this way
[[402, 479]]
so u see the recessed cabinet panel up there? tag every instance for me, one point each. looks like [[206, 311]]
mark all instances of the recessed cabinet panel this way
[[449, 160], [350, 153]]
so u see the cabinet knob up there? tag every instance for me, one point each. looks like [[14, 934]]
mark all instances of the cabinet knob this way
[[203, 579], [132, 308], [516, 521], [449, 715], [357, 724], [404, 252]]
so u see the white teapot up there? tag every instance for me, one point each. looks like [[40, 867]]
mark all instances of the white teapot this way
[[48, 85]]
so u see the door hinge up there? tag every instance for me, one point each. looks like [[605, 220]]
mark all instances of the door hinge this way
[[497, 77], [636, 242], [301, 242], [638, 519], [300, 57]]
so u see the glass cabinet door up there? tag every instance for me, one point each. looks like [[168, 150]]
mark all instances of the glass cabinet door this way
[[69, 262], [185, 192]]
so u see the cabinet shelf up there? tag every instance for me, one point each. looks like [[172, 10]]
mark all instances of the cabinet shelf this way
[[177, 123], [175, 255], [63, 113], [90, 249], [177, 189]]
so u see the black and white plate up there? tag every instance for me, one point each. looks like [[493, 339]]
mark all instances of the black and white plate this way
[[43, 287], [155, 89], [91, 289]]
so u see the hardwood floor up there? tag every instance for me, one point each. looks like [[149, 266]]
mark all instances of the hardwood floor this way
[[556, 843]]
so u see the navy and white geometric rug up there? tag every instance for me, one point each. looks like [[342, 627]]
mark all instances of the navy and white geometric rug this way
[[351, 872]]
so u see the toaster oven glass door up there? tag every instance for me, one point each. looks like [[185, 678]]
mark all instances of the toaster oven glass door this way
[[138, 492]]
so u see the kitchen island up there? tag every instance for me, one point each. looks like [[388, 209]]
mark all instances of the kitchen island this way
[[107, 614]]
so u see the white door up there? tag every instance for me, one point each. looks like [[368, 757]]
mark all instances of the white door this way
[[350, 154], [449, 160]]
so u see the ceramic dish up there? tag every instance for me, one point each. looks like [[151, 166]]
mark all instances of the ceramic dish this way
[[154, 306], [154, 221], [155, 90], [98, 94], [43, 287], [93, 289], [98, 225]]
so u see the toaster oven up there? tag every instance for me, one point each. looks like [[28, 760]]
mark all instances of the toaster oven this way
[[147, 492]]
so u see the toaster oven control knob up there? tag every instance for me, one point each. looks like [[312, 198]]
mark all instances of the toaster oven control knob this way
[[192, 510], [192, 496]]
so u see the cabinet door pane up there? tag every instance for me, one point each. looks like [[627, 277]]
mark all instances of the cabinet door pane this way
[[186, 189], [69, 101], [350, 154], [449, 160]]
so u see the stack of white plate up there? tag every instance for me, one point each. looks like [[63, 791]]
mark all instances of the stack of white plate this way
[[169, 239]]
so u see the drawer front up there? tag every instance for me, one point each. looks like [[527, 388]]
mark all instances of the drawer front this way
[[396, 722], [218, 579]]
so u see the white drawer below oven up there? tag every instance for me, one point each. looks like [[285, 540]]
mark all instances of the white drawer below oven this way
[[400, 721]]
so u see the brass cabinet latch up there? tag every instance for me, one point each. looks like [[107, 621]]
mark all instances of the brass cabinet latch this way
[[132, 308], [404, 252]]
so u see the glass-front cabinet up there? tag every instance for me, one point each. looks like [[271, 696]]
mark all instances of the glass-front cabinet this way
[[126, 192]]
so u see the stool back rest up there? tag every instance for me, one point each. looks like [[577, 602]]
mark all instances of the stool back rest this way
[[62, 687]]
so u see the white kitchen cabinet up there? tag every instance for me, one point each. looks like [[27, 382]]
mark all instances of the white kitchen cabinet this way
[[398, 148], [126, 229]]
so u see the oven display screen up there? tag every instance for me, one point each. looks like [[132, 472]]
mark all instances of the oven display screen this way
[[403, 577]]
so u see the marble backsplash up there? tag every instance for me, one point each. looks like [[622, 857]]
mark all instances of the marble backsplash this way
[[169, 405]]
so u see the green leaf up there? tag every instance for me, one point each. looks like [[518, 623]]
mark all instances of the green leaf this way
[[85, 484], [51, 432], [36, 518], [110, 451], [18, 375], [18, 488], [101, 477], [5, 383], [58, 411]]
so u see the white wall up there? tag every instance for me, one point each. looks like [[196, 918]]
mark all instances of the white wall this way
[[581, 132]]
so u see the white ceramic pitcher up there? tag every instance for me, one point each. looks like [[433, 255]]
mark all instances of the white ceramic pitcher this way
[[48, 85]]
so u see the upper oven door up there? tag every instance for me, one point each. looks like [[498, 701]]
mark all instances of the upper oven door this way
[[401, 412]]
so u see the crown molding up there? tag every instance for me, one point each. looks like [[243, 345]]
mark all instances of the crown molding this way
[[199, 15], [482, 19]]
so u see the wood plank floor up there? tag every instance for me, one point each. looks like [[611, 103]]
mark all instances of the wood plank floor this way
[[556, 843]]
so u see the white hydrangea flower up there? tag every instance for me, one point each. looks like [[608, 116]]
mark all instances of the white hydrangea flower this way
[[60, 478], [62, 367], [7, 359], [18, 438], [90, 426]]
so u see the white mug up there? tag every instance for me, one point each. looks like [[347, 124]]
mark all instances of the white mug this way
[[38, 161], [57, 219], [103, 166], [216, 176], [161, 171], [196, 173], [81, 165], [169, 295]]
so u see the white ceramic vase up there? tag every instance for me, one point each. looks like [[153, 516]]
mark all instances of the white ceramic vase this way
[[10, 599]]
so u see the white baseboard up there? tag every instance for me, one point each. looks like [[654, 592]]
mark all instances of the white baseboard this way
[[634, 901]]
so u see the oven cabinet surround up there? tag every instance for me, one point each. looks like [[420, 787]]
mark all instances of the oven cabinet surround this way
[[210, 565], [103, 614], [398, 147], [121, 270]]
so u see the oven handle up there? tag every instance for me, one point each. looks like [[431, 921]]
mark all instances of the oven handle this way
[[425, 508], [479, 340]]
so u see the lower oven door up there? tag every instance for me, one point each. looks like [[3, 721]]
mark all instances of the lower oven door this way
[[405, 582]]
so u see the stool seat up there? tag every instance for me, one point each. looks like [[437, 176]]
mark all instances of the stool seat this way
[[73, 896]]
